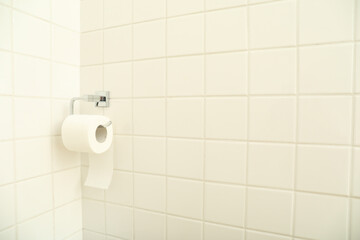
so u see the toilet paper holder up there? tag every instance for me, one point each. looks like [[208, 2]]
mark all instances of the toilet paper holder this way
[[101, 99]]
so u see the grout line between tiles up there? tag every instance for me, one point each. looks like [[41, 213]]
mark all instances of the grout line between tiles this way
[[132, 120], [205, 123]]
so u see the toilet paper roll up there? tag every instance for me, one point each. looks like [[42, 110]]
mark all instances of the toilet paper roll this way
[[86, 133]]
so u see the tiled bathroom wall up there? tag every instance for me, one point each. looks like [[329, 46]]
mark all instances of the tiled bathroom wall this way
[[234, 119], [40, 194]]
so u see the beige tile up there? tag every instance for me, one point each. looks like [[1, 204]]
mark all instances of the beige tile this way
[[65, 46], [215, 232], [149, 226], [7, 163], [93, 215], [123, 153], [150, 155], [118, 44], [119, 221], [67, 220], [7, 206], [121, 189], [214, 4], [149, 117], [67, 186], [355, 219], [72, 9], [181, 228], [91, 48], [149, 9], [118, 79], [117, 12], [5, 73], [120, 113], [355, 191], [91, 15], [5, 27], [6, 121], [41, 227], [176, 7]]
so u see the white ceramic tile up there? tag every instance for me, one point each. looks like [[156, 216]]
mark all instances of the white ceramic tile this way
[[325, 24], [120, 113], [76, 236], [226, 30], [33, 157], [119, 221], [67, 186], [149, 226], [320, 217], [91, 15], [149, 192], [91, 79], [325, 119], [67, 220], [226, 118], [39, 8], [224, 204], [123, 153], [357, 20], [6, 121], [355, 219], [117, 12], [66, 46], [226, 74], [269, 210], [225, 161], [7, 162], [149, 117], [117, 44], [215, 232], [176, 7], [356, 173], [149, 78], [32, 121], [149, 9], [7, 206], [118, 79], [185, 76], [149, 39], [214, 4], [67, 13], [36, 32], [252, 235], [273, 71], [93, 236], [6, 2], [326, 69], [323, 169], [41, 227], [93, 215], [185, 35], [273, 24], [181, 228], [149, 155], [271, 165], [185, 158], [185, 117], [91, 193], [121, 188], [91, 48], [34, 197], [272, 118], [5, 27], [185, 198], [63, 158], [357, 65], [8, 234], [31, 76], [65, 81], [5, 72]]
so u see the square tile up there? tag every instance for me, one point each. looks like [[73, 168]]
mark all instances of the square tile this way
[[269, 210], [65, 81], [7, 162], [120, 113], [185, 198], [91, 79], [357, 66], [41, 227], [5, 73], [8, 234], [176, 7], [215, 232], [325, 119], [225, 161], [185, 117], [149, 78], [149, 226], [91, 48], [182, 228], [149, 117], [355, 219], [65, 46], [33, 157], [118, 79], [333, 23], [39, 8], [5, 27], [226, 118], [273, 24], [61, 157], [123, 153], [34, 197], [185, 76], [67, 186], [93, 194], [323, 169], [117, 12], [149, 9], [252, 235], [355, 191], [150, 155], [320, 216], [272, 119], [93, 215], [7, 206], [118, 44], [119, 221], [68, 220], [91, 15], [326, 69], [67, 13], [214, 4], [226, 74], [273, 71], [6, 121], [185, 35], [224, 204], [226, 30], [185, 158], [271, 165], [150, 192], [149, 39]]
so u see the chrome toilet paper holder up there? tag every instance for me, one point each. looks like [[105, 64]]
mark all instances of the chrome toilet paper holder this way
[[101, 99]]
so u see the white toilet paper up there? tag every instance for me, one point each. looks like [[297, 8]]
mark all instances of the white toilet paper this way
[[85, 133]]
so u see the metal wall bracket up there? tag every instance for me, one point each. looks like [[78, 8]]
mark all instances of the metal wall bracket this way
[[101, 99]]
